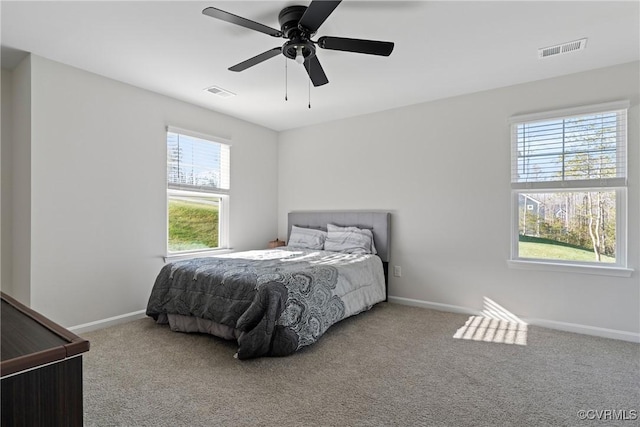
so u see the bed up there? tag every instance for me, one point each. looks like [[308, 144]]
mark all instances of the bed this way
[[274, 302]]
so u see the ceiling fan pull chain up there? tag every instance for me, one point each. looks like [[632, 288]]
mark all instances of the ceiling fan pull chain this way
[[286, 79], [309, 85]]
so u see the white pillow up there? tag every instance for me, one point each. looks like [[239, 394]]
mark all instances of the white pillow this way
[[351, 240], [306, 238]]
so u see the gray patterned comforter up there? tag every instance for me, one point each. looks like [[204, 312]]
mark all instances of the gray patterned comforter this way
[[277, 300]]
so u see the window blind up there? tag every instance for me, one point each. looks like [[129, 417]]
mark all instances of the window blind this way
[[195, 163], [583, 150]]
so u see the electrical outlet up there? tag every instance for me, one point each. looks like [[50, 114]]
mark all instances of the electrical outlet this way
[[397, 271]]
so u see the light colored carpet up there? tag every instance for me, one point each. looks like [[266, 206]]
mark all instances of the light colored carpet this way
[[392, 366]]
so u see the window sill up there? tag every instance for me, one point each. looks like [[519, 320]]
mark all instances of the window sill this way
[[615, 271], [189, 255]]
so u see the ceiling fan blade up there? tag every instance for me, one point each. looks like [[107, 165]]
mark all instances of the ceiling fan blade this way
[[256, 59], [370, 47], [315, 71], [317, 12], [243, 22]]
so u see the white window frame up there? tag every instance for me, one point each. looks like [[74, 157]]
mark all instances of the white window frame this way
[[619, 185], [223, 209]]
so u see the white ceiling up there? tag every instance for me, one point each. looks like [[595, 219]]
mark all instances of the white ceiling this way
[[442, 49]]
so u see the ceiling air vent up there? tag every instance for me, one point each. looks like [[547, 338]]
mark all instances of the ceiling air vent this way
[[562, 48], [222, 93]]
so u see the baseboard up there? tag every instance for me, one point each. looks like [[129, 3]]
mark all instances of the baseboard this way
[[111, 321], [435, 306], [551, 324], [587, 330]]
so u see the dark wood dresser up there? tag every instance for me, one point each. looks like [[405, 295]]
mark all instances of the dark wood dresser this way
[[41, 369]]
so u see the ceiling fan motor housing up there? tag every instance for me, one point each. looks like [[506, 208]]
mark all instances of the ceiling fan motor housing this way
[[298, 37], [289, 18]]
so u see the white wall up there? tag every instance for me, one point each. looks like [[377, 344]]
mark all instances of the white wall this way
[[443, 169], [98, 189]]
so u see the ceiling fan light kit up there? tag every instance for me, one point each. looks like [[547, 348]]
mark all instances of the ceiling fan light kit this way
[[298, 24]]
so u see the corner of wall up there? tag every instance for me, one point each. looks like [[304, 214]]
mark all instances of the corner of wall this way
[[16, 217], [5, 181]]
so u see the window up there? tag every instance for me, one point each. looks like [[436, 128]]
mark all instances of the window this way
[[198, 187], [568, 181]]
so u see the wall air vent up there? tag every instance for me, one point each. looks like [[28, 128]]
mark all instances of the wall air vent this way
[[562, 48], [218, 91]]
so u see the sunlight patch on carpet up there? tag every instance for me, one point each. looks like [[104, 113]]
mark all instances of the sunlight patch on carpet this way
[[495, 324]]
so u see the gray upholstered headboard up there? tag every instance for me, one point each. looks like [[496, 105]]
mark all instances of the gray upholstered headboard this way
[[377, 221]]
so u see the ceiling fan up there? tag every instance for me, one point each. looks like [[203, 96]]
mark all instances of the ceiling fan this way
[[298, 24]]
